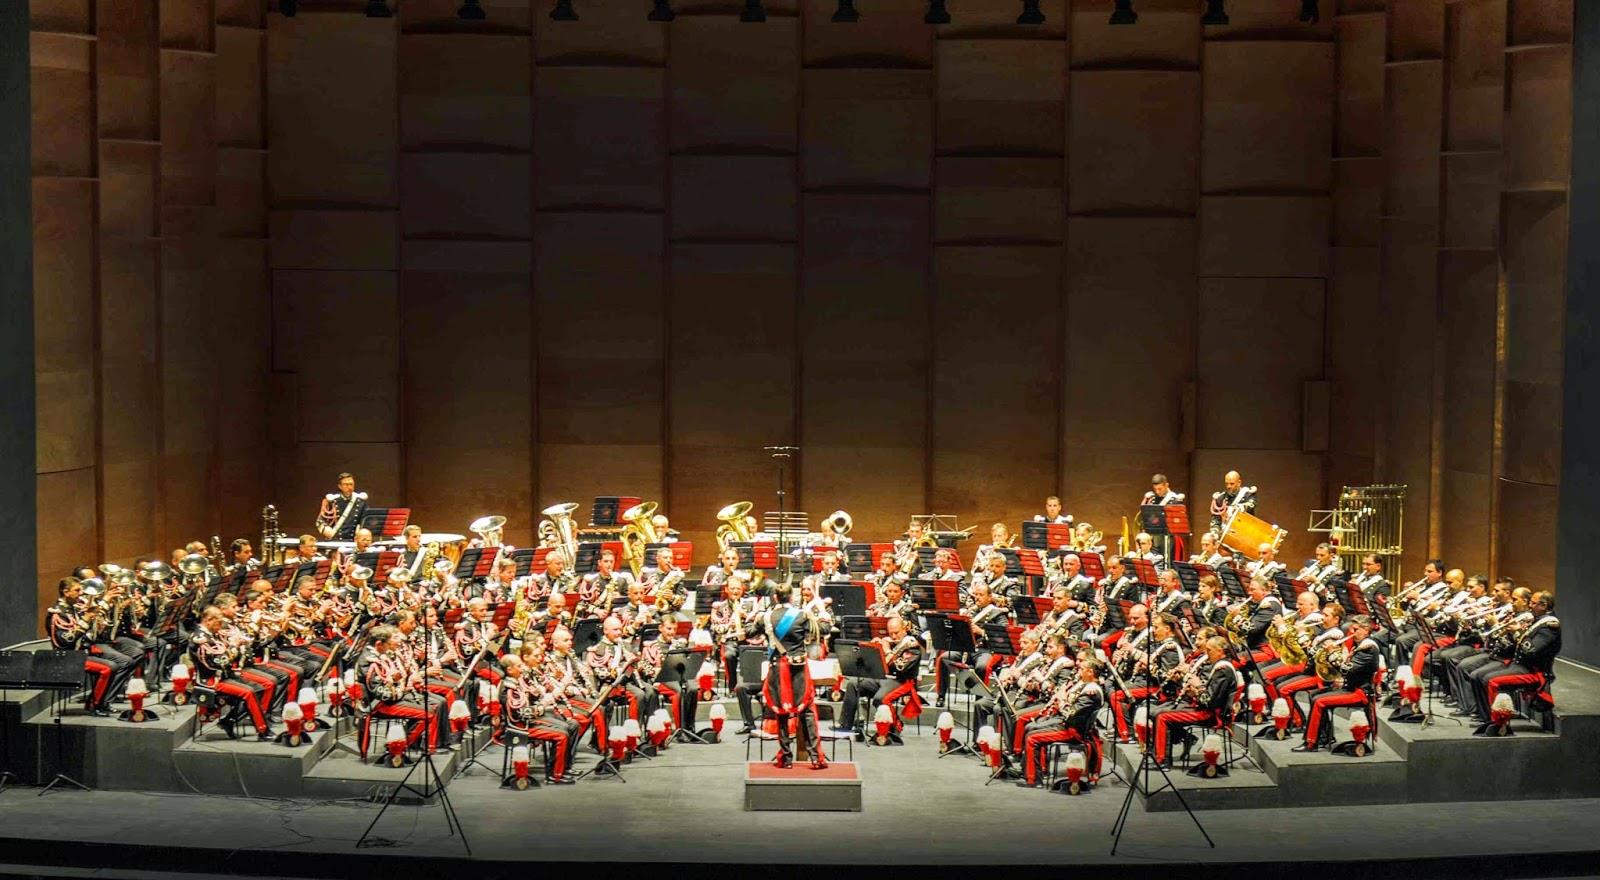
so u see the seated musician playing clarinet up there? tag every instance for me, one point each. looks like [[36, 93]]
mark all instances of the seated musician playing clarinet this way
[[1069, 717], [475, 639], [902, 659], [1142, 676], [1201, 700], [1008, 681], [614, 666], [1032, 691], [981, 609], [681, 701], [531, 709], [1355, 689], [396, 689], [568, 674]]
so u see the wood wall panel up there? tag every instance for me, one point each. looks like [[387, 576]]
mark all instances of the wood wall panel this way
[[868, 128], [1167, 36], [1469, 281], [130, 399], [893, 35], [468, 412], [465, 90], [1267, 139], [1001, 97], [1259, 236], [244, 449], [1408, 303], [63, 279], [1416, 29], [351, 240], [997, 19], [1134, 141], [1475, 44], [733, 198], [67, 530], [1527, 535], [192, 331], [600, 372], [606, 34], [1538, 142], [332, 111], [754, 110], [601, 138], [188, 133], [466, 195], [1112, 283], [61, 79], [127, 70], [241, 120], [1358, 401], [1535, 241], [1360, 88], [731, 366], [864, 361], [995, 380], [1250, 393], [339, 333], [998, 199], [1358, 202], [304, 473], [1413, 135], [1471, 202]]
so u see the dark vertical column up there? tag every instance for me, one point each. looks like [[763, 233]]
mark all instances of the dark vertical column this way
[[19, 617], [1578, 553]]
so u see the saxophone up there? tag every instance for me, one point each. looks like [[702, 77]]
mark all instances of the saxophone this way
[[430, 555], [667, 599]]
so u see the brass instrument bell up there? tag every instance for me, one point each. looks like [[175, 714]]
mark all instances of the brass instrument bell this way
[[490, 528]]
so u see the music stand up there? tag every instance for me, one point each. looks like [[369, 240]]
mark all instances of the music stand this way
[[586, 634], [1289, 589], [60, 673], [1231, 584], [15, 667], [854, 628], [1091, 564], [679, 668], [1349, 595], [858, 661], [475, 562], [924, 594], [1031, 609], [847, 599]]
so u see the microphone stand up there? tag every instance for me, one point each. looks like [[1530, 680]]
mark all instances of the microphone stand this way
[[432, 783]]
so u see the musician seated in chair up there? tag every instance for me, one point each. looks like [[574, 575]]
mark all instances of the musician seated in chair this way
[[1320, 575], [1355, 689], [1207, 702], [1143, 676], [1308, 681], [70, 630], [735, 623], [682, 701], [531, 709], [1529, 659], [1064, 618], [614, 666], [1266, 565], [305, 553], [432, 650], [982, 608], [903, 659], [568, 674], [396, 689], [1210, 551], [475, 635], [1009, 680], [1033, 689], [601, 588], [217, 662], [888, 573], [1144, 548], [1070, 716], [1509, 603]]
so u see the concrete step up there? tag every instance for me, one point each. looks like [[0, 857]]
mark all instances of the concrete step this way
[[107, 752]]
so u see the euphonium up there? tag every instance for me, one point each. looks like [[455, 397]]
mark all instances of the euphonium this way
[[566, 531], [1086, 537], [734, 527], [491, 529], [1237, 624], [638, 533]]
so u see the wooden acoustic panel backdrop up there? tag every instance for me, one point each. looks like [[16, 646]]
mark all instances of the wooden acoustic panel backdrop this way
[[493, 266], [150, 277]]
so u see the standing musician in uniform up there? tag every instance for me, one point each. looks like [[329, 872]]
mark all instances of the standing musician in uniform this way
[[1052, 512], [1235, 495], [1161, 492], [788, 692], [411, 556], [1355, 689], [341, 511]]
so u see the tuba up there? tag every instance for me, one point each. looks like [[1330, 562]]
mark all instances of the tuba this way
[[491, 529], [841, 522], [734, 527], [638, 533], [565, 529]]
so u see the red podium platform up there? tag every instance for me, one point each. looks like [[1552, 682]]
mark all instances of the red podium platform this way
[[835, 789]]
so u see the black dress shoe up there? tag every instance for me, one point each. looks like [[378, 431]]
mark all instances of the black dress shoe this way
[[100, 712], [1303, 748], [266, 735], [744, 731], [939, 702], [227, 725], [559, 780]]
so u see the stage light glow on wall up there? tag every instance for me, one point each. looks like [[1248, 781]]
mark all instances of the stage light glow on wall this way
[[846, 11], [1123, 13]]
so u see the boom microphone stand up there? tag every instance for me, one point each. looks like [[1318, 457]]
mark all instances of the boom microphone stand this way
[[1141, 774], [432, 783]]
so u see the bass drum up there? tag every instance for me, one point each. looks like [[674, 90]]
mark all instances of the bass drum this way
[[1244, 533]]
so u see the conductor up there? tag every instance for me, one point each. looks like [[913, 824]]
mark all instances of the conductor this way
[[788, 691]]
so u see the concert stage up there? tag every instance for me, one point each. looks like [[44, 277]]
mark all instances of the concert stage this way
[[301, 810], [835, 788]]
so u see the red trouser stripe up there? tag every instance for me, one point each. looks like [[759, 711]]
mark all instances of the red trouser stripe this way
[[412, 713], [1119, 707], [1323, 705], [1419, 657], [1271, 677], [101, 670], [268, 684], [1034, 749], [674, 705], [546, 734], [1165, 720], [251, 704], [1024, 718], [1498, 683], [904, 689]]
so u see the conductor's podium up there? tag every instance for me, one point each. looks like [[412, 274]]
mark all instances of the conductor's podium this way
[[837, 788]]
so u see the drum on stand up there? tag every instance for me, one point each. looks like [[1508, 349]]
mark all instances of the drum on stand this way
[[1244, 533]]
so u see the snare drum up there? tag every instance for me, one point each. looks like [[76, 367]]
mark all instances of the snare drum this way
[[1244, 533]]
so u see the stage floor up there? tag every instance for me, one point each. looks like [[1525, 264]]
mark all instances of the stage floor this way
[[688, 806]]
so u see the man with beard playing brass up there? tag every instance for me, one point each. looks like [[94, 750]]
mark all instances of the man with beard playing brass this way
[[788, 691]]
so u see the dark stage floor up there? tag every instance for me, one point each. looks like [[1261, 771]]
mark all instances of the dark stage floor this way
[[687, 806]]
